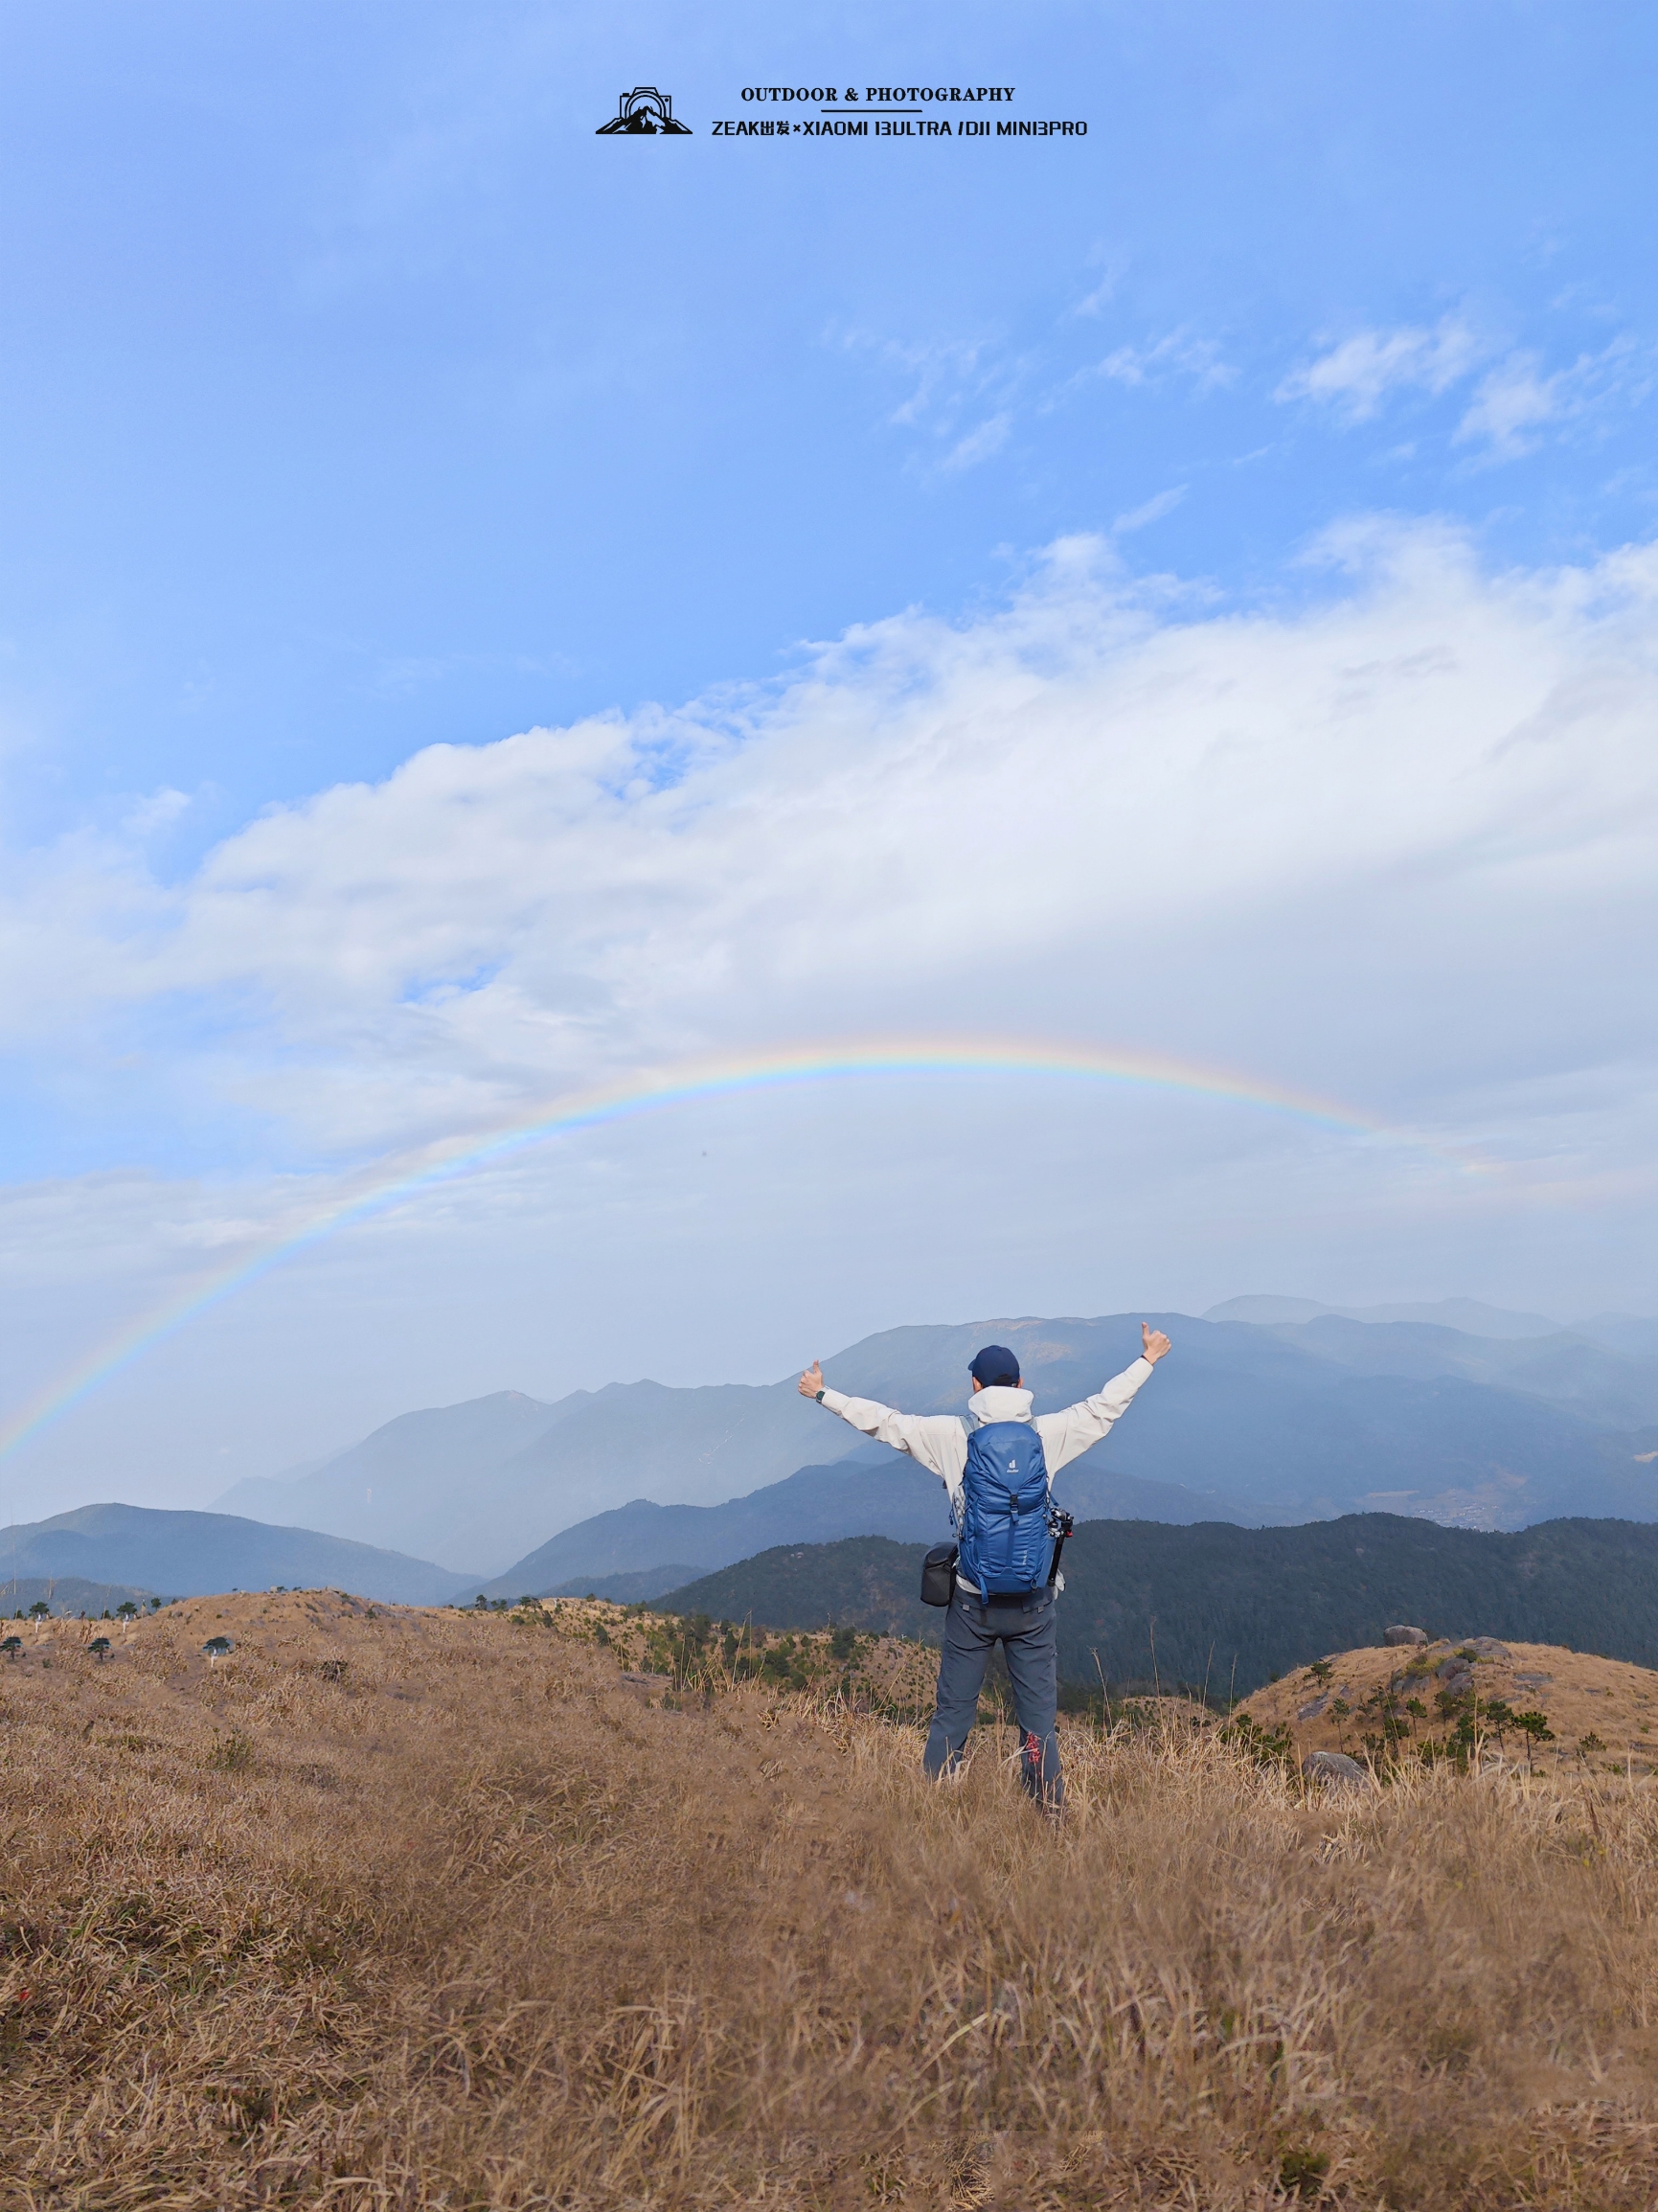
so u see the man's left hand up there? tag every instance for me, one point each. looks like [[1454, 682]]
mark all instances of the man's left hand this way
[[1153, 1343]]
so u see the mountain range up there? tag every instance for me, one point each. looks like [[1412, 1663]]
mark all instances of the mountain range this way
[[1271, 1410], [180, 1555]]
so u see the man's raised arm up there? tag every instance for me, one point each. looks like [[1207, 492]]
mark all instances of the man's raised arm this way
[[936, 1441], [1066, 1436]]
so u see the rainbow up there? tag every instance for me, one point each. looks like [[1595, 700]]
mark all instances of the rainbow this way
[[659, 1092]]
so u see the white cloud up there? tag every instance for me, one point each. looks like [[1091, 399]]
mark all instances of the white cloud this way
[[939, 371], [1154, 510], [960, 399], [1177, 353], [1356, 374], [1100, 295], [1511, 404], [1516, 398], [979, 445], [493, 924], [158, 811]]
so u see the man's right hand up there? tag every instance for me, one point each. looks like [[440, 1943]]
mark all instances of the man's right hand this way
[[812, 1382], [1153, 1344]]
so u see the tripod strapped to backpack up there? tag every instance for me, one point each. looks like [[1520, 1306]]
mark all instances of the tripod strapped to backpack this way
[[1060, 1526]]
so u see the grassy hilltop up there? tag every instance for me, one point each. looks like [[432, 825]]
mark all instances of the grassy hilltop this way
[[422, 1910]]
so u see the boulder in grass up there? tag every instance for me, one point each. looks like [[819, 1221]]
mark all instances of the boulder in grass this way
[[1335, 1770], [1487, 1647], [1400, 1635], [643, 1685]]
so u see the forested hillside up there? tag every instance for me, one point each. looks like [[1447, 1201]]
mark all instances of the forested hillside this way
[[1238, 1606]]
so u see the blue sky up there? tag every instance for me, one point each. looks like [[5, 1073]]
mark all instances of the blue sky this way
[[356, 398]]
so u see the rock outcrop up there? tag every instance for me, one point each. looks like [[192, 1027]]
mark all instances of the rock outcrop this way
[[1335, 1770]]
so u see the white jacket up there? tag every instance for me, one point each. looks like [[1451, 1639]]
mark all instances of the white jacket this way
[[939, 1441]]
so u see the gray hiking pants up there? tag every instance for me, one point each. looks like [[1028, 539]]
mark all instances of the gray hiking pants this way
[[1025, 1630]]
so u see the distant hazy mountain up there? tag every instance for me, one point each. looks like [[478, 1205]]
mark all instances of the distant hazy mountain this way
[[410, 1483], [479, 1484], [1466, 1315], [877, 1492], [1565, 1370], [183, 1555], [1283, 1419], [1302, 1423], [1191, 1605], [1631, 1334]]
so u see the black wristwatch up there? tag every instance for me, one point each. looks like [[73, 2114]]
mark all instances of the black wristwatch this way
[[819, 1399]]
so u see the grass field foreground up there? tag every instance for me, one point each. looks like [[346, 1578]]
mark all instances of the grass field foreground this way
[[394, 1907]]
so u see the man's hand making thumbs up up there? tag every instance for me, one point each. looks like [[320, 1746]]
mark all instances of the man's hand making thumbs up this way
[[1152, 1341]]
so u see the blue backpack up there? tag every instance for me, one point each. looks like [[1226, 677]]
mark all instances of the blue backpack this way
[[1004, 1534]]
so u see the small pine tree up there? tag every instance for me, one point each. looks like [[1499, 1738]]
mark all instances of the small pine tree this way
[[1535, 1729]]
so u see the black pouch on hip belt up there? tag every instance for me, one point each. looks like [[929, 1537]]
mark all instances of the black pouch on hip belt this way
[[939, 1575]]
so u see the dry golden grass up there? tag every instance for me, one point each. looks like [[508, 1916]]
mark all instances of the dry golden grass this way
[[396, 1908], [1600, 1711]]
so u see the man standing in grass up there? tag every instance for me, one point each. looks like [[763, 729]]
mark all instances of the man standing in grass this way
[[997, 1465]]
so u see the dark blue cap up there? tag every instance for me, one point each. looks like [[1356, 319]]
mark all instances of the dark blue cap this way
[[994, 1365]]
